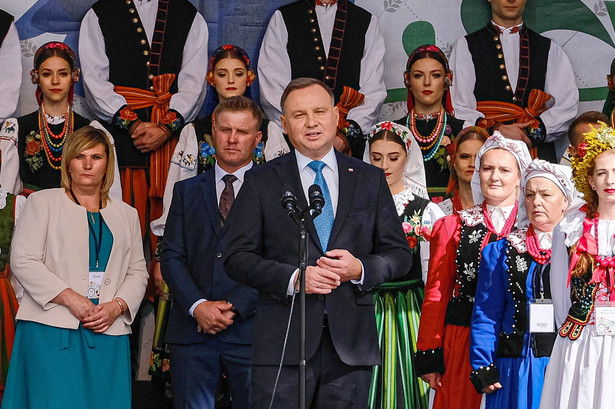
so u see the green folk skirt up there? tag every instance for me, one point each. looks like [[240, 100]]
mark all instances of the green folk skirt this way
[[58, 368]]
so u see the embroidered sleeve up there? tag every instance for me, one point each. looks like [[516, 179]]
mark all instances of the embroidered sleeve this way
[[9, 174]]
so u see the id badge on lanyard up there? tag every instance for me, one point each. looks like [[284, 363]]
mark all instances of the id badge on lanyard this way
[[542, 316]]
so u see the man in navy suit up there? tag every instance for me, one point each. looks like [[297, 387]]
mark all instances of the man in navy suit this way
[[211, 323], [355, 243]]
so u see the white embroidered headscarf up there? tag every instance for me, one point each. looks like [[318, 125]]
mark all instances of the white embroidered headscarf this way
[[498, 141], [414, 171], [558, 174]]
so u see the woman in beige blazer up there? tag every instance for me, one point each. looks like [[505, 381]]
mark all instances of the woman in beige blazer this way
[[79, 256]]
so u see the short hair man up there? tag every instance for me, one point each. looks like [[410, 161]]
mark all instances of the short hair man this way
[[211, 323], [356, 243], [581, 125], [511, 61]]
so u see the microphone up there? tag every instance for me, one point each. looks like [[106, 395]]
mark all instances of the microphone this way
[[289, 202], [317, 200]]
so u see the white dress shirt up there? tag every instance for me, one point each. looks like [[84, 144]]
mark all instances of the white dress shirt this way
[[274, 69], [559, 82], [191, 86], [220, 173], [331, 175], [10, 73]]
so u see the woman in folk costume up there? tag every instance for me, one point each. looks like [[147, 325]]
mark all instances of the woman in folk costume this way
[[398, 303], [430, 113], [511, 340], [442, 358], [581, 373], [32, 145], [462, 158]]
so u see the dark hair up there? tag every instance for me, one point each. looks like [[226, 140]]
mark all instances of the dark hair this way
[[589, 117], [301, 83], [240, 104], [54, 49], [385, 135], [226, 51]]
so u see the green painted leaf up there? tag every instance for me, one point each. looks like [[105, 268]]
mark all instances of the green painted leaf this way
[[416, 34]]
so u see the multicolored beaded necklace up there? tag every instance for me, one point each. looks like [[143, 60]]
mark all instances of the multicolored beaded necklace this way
[[52, 143], [541, 256], [429, 144]]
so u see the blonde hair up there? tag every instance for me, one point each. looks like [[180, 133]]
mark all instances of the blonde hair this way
[[81, 140]]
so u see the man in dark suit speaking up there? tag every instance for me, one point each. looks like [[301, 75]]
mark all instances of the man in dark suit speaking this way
[[211, 323], [356, 243]]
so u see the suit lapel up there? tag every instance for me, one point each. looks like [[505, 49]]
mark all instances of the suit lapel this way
[[288, 173], [208, 190], [347, 187]]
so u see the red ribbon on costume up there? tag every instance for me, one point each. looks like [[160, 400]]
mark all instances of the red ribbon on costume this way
[[587, 244], [497, 111], [159, 100], [351, 98]]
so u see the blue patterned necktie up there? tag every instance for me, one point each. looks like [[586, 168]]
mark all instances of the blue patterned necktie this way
[[323, 222]]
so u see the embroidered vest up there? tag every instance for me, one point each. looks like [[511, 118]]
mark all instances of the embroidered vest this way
[[130, 57], [490, 67], [34, 170], [583, 297], [459, 309], [5, 23], [519, 263], [306, 51]]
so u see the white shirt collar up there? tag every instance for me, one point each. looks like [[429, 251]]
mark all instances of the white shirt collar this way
[[239, 173], [544, 239], [329, 160], [507, 30]]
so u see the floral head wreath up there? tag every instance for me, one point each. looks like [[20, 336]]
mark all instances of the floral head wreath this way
[[431, 51], [595, 142], [399, 130], [68, 55], [237, 50]]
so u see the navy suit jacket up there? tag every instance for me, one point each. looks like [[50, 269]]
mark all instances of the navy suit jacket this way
[[192, 264], [262, 252]]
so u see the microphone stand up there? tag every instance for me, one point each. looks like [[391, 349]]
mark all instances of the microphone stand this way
[[303, 258], [300, 217]]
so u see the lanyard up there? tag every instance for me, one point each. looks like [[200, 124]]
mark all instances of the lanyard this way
[[540, 278], [97, 241]]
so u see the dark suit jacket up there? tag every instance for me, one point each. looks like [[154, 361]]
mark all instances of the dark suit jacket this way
[[192, 264], [262, 252]]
